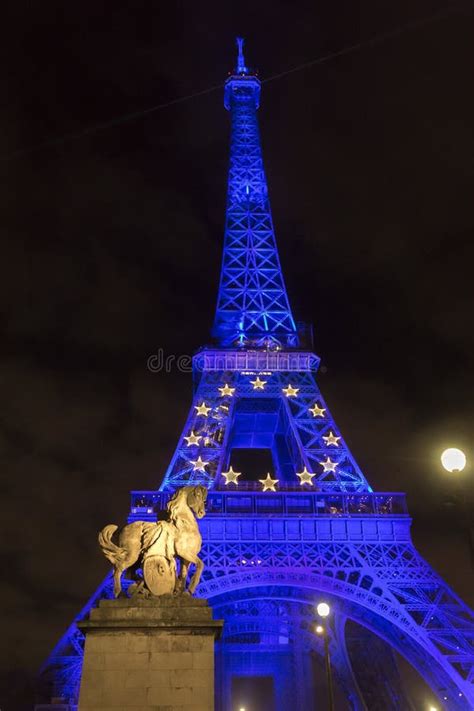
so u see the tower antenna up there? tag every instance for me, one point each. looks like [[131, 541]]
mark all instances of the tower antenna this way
[[241, 68]]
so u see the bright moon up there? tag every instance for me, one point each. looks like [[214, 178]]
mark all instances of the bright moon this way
[[453, 460]]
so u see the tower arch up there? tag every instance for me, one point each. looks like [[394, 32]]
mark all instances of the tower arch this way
[[264, 606]]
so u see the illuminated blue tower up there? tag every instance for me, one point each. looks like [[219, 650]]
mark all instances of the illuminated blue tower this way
[[291, 518], [252, 306]]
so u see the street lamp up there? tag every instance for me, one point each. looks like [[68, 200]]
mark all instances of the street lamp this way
[[453, 459], [323, 611]]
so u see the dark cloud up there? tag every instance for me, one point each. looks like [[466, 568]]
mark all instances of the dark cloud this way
[[111, 250]]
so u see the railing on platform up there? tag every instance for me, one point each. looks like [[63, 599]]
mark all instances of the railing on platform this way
[[288, 501], [254, 360]]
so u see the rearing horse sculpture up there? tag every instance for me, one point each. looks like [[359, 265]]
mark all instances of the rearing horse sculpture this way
[[157, 546]]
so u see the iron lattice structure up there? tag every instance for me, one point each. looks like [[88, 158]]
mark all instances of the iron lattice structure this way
[[252, 304], [271, 555]]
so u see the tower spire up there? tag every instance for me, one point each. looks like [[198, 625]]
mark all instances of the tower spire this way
[[252, 305], [241, 68]]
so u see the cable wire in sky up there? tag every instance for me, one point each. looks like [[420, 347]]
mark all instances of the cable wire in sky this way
[[376, 39]]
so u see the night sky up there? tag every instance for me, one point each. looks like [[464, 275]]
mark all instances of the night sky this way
[[111, 250]]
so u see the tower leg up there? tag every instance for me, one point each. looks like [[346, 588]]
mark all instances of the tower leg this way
[[375, 668]]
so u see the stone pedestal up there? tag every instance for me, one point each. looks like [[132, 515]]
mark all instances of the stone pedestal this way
[[150, 655]]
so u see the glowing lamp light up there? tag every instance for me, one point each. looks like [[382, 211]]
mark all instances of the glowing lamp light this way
[[453, 460], [432, 708], [323, 609], [319, 629]]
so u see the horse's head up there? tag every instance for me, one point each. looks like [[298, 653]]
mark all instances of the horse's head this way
[[196, 500], [185, 498]]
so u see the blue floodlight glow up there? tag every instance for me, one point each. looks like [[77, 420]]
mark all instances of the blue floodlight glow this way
[[323, 534]]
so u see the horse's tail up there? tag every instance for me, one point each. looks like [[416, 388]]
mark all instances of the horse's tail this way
[[115, 554]]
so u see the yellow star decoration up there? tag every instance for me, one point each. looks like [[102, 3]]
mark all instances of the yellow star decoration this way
[[331, 439], [306, 477], [199, 464], [226, 390], [290, 391], [268, 483], [192, 439], [328, 465], [231, 476], [258, 384], [317, 411], [202, 409]]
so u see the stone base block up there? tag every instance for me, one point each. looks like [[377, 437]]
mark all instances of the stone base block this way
[[150, 655]]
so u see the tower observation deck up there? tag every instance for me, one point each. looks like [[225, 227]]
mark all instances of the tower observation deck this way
[[291, 518]]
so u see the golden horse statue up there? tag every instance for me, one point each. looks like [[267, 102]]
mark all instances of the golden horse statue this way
[[157, 547]]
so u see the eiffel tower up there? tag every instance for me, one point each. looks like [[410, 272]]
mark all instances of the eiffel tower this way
[[312, 529]]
